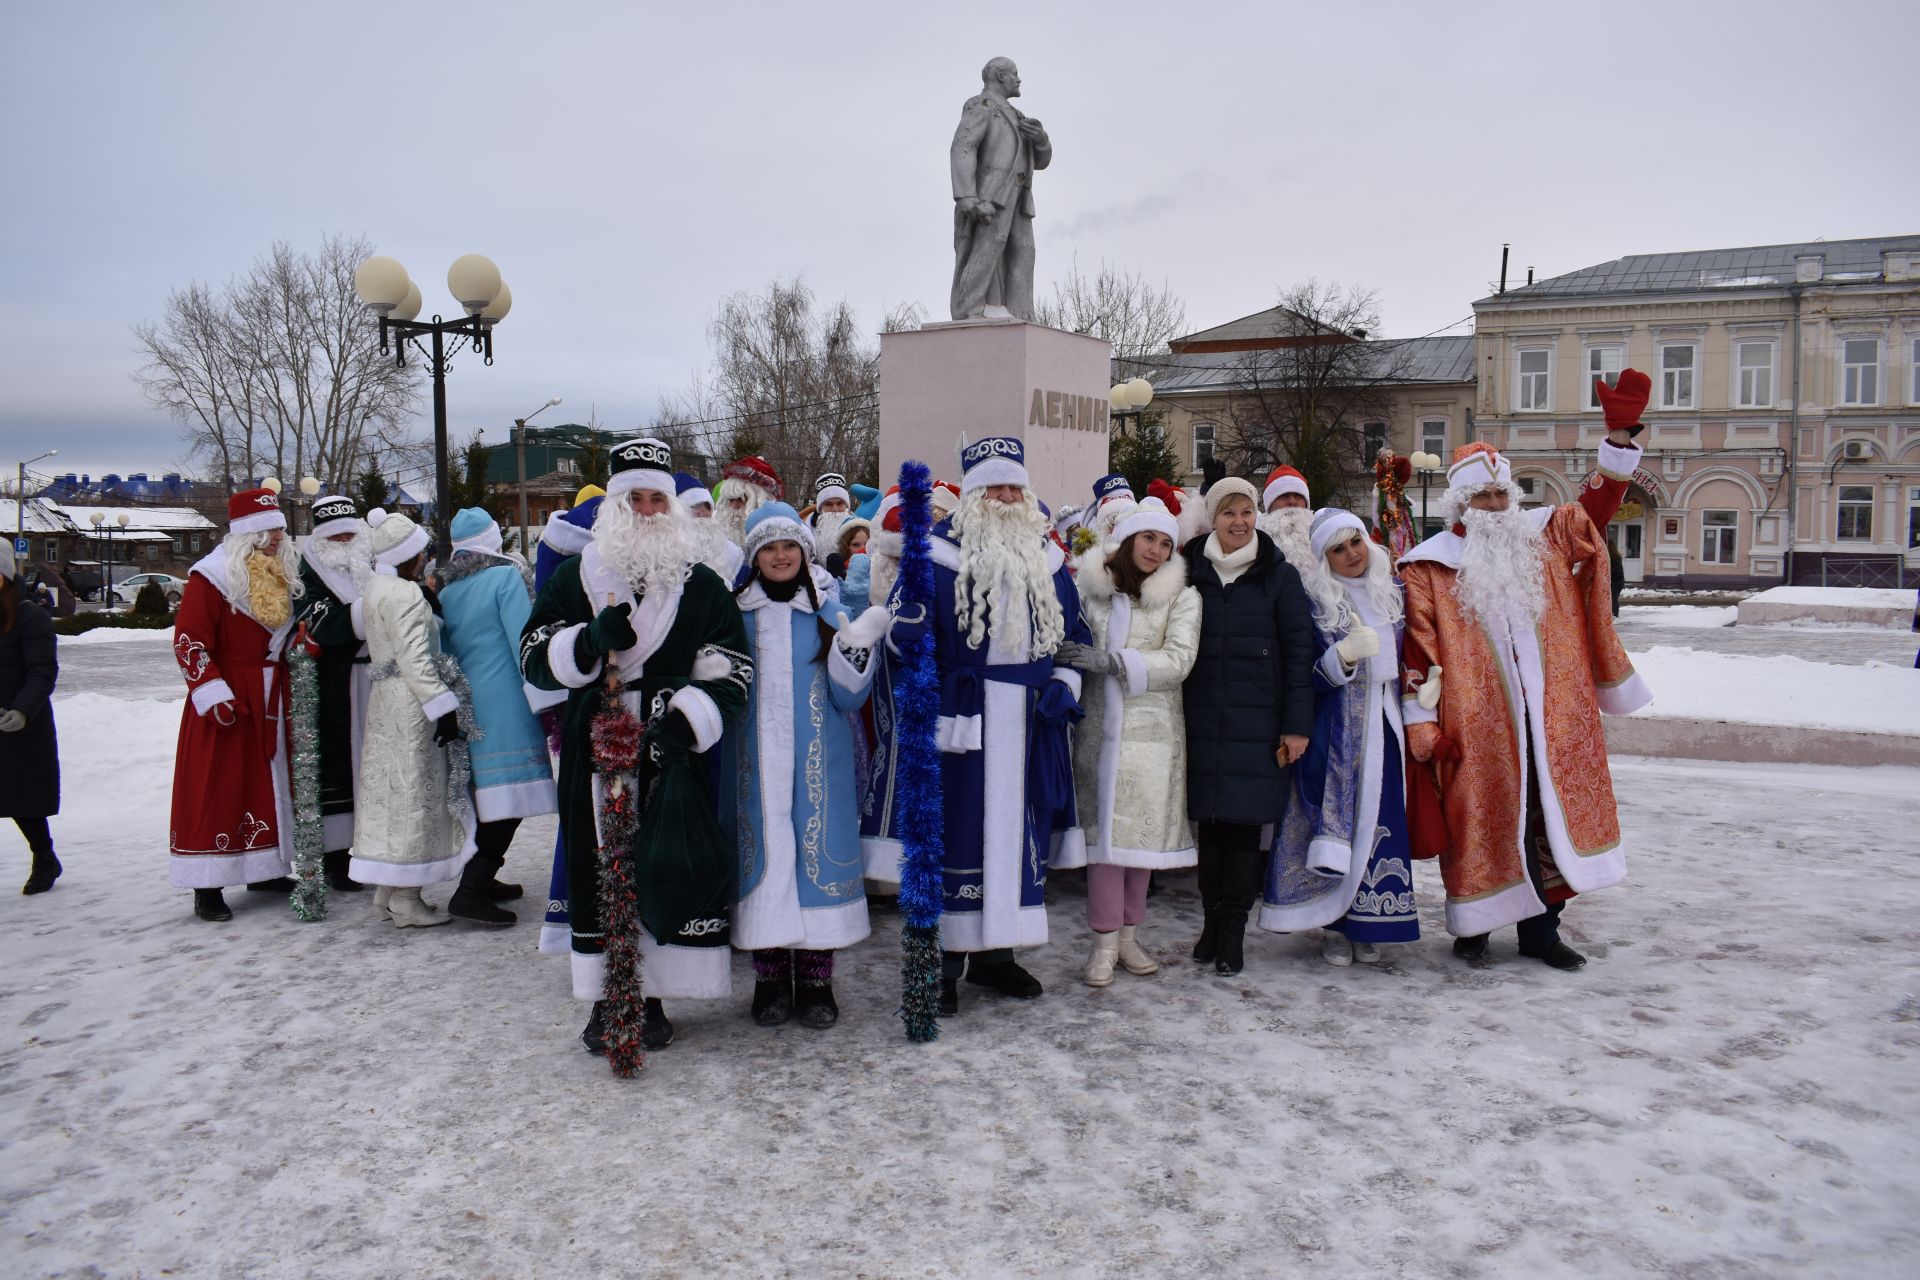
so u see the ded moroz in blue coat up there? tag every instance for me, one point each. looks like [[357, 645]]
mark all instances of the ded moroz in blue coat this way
[[1006, 765]]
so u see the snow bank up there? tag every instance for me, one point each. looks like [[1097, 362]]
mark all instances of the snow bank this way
[[1691, 683], [1870, 606], [1679, 615], [121, 635]]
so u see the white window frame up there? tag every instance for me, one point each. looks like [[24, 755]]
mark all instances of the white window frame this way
[[1843, 504], [1543, 403], [1426, 444], [1913, 519], [1913, 370], [1737, 393], [1719, 540], [1850, 387], [1619, 351], [1669, 378], [1210, 438]]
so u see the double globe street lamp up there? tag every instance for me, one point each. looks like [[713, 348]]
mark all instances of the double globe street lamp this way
[[1428, 465], [475, 283], [1130, 399], [100, 521]]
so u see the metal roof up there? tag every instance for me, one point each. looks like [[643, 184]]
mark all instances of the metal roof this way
[[1767, 266], [1395, 361], [39, 517], [138, 518]]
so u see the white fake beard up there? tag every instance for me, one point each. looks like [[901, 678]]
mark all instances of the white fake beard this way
[[732, 519], [241, 545], [882, 573], [646, 551], [826, 532], [709, 543], [1003, 575], [349, 561], [1290, 527], [1501, 571]]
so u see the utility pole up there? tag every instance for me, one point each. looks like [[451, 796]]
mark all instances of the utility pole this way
[[520, 465]]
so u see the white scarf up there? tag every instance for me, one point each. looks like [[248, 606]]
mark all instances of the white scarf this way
[[1231, 564]]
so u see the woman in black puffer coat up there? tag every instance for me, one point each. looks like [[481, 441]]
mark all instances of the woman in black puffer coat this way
[[1249, 709], [29, 753]]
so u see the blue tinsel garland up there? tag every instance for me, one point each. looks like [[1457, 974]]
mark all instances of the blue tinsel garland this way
[[921, 801]]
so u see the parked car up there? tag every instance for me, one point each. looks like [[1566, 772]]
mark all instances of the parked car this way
[[125, 592]]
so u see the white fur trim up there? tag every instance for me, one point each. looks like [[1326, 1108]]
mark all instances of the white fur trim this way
[[1617, 462], [711, 666], [701, 712], [1069, 850], [882, 858], [560, 659], [1330, 857], [1133, 669], [539, 700], [1150, 516], [357, 619], [257, 522], [968, 931], [589, 976], [1479, 468], [769, 916], [1336, 523], [991, 471], [1070, 678], [841, 671], [225, 870], [440, 704], [685, 973], [408, 875], [695, 497], [1411, 712], [956, 735], [409, 547], [555, 940], [516, 800], [625, 482], [564, 536], [1626, 697], [210, 695], [833, 491]]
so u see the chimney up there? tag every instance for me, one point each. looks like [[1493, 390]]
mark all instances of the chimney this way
[[1898, 265], [1809, 267]]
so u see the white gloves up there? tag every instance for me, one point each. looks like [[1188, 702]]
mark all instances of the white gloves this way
[[13, 722], [1429, 695], [1363, 642], [867, 630]]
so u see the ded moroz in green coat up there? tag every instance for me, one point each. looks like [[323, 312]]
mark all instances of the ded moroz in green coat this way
[[690, 659]]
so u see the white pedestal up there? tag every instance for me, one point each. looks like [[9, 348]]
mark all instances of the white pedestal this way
[[943, 383]]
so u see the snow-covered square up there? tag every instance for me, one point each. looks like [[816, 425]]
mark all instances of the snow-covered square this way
[[1727, 1090]]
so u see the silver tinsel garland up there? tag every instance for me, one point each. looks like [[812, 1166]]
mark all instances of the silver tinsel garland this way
[[310, 887]]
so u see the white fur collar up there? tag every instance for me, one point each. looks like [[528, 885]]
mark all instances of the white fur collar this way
[[1095, 581], [756, 597]]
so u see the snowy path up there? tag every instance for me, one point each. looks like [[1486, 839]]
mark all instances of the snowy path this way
[[1728, 1090]]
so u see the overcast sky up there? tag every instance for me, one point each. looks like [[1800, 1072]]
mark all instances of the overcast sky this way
[[627, 165]]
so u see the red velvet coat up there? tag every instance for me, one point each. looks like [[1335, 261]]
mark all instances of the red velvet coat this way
[[232, 814]]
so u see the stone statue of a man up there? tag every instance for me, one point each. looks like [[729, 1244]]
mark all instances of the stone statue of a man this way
[[995, 151]]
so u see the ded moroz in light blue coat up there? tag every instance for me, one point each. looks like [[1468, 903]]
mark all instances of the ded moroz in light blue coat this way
[[484, 604], [788, 794]]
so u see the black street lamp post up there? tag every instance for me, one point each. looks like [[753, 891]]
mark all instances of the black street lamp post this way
[[475, 283]]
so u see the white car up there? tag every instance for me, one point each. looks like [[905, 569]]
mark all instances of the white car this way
[[125, 592]]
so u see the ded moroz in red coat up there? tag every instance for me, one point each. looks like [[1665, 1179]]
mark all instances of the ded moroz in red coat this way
[[232, 809]]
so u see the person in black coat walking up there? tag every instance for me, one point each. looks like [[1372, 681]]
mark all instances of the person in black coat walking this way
[[1249, 709], [29, 752]]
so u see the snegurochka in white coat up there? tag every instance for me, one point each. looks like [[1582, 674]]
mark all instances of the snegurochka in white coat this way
[[1130, 750], [788, 782]]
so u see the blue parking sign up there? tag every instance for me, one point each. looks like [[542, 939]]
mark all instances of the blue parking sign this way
[[20, 547]]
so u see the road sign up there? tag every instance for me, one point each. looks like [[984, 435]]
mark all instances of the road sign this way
[[20, 547]]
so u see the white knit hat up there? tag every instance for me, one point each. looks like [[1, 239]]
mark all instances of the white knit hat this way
[[1225, 488], [395, 539], [1149, 515]]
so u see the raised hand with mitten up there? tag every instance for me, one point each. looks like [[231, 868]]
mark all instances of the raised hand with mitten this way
[[1623, 403], [1361, 642]]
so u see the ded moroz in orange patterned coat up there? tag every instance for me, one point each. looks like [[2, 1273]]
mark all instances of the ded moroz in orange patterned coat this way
[[1554, 681]]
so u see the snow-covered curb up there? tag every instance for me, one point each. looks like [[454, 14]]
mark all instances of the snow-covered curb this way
[[1691, 684]]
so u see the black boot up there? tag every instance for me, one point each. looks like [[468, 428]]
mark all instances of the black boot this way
[[1472, 949], [772, 1002], [595, 1036], [1231, 936], [498, 892], [208, 904], [656, 1032], [1239, 889], [1540, 940], [1208, 875], [813, 989], [46, 869], [1556, 955], [949, 997], [336, 871], [1006, 977], [1208, 945], [279, 884], [470, 900]]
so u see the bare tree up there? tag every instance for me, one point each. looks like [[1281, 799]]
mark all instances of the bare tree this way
[[1136, 316], [791, 381], [1305, 400], [281, 371]]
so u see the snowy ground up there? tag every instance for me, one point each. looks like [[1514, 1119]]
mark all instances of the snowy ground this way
[[1728, 1090]]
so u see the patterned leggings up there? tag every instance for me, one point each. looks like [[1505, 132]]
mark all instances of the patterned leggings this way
[[777, 964]]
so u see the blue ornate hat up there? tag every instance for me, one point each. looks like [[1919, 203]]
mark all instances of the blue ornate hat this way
[[776, 522], [994, 460], [692, 492], [1113, 486]]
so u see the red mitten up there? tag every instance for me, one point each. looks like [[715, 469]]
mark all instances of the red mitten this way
[[1625, 400]]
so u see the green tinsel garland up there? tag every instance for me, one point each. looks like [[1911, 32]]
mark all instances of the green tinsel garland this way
[[310, 889]]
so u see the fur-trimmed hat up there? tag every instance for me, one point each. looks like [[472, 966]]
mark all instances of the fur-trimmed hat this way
[[755, 470], [255, 511], [776, 522], [1283, 480], [395, 538], [645, 463], [334, 515]]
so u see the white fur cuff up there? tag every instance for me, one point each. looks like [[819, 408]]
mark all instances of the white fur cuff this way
[[1411, 712], [357, 617], [1626, 697], [560, 659], [957, 734], [1618, 461], [440, 704], [1070, 678], [1133, 672], [589, 976], [211, 694], [701, 712]]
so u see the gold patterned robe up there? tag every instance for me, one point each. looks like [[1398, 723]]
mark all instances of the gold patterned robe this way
[[1500, 681]]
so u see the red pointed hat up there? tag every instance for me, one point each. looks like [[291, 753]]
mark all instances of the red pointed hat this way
[[1169, 496], [1283, 480], [756, 470], [254, 511]]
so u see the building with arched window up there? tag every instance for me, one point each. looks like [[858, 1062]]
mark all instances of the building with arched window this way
[[1783, 435]]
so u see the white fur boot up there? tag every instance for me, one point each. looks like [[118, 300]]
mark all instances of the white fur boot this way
[[382, 895], [1132, 957], [1106, 953], [409, 911], [1334, 948]]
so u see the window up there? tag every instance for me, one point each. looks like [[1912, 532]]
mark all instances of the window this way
[[193, 543], [1604, 364], [1753, 362], [1856, 513], [1676, 375], [1913, 518], [1913, 371], [1535, 392], [1718, 533], [1202, 445], [1528, 497], [1433, 436], [1374, 439], [1861, 376], [152, 553]]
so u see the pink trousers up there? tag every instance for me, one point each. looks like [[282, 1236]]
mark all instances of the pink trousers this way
[[1115, 896]]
